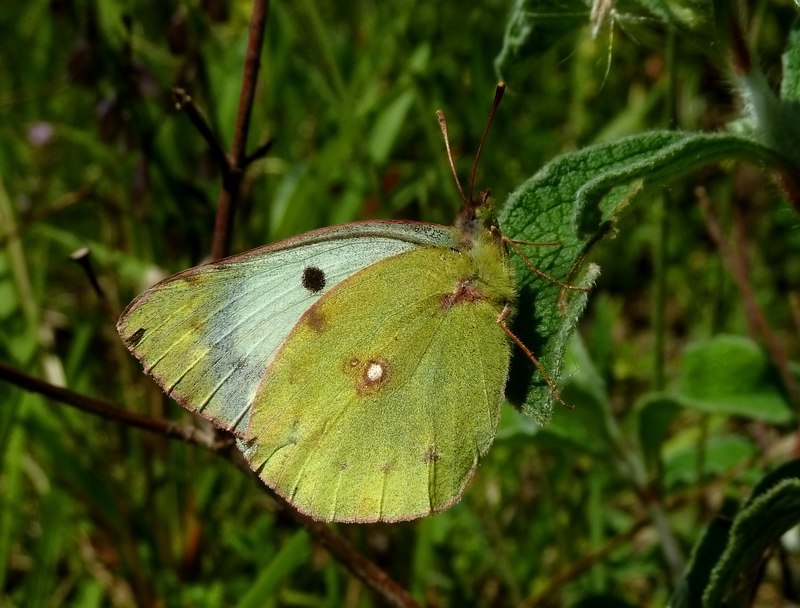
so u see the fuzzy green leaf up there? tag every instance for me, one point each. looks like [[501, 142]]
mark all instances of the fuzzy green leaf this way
[[706, 553], [574, 200], [732, 546], [756, 527]]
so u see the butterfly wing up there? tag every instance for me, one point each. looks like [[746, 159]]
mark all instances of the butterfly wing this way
[[386, 392], [208, 334]]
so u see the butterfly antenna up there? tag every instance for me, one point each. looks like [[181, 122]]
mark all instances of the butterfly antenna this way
[[443, 126], [498, 96]]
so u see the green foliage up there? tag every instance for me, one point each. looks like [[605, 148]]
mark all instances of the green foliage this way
[[682, 403]]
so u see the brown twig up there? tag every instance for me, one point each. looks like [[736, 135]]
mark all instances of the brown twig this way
[[375, 578], [741, 57], [259, 152], [107, 410], [759, 327], [185, 103], [557, 581], [226, 206], [789, 184], [83, 258], [63, 202]]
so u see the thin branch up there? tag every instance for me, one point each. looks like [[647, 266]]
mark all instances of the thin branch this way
[[788, 182], [258, 153], [184, 102], [375, 578], [108, 410], [63, 202], [83, 258], [226, 206], [559, 579]]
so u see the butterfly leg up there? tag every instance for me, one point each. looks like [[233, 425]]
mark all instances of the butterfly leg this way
[[541, 273], [501, 322]]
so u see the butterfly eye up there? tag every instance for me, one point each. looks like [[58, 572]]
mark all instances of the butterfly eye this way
[[313, 279]]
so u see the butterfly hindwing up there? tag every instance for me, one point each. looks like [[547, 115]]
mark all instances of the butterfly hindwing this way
[[208, 334], [385, 394]]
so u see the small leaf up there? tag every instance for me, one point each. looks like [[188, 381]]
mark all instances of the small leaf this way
[[584, 428], [731, 375], [533, 27], [581, 429]]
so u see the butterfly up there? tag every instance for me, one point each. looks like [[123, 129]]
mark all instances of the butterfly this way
[[361, 367]]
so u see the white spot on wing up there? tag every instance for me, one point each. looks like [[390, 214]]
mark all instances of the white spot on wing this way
[[375, 372]]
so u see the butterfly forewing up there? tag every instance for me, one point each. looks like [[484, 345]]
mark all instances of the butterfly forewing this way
[[207, 335]]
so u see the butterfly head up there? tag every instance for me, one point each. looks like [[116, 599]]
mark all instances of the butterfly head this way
[[477, 220]]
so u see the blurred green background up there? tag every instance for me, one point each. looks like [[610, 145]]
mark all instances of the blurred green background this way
[[605, 505]]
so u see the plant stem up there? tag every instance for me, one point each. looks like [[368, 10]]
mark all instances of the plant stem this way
[[229, 196]]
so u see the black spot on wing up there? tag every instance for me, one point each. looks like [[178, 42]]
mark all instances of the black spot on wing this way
[[135, 337], [313, 279]]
